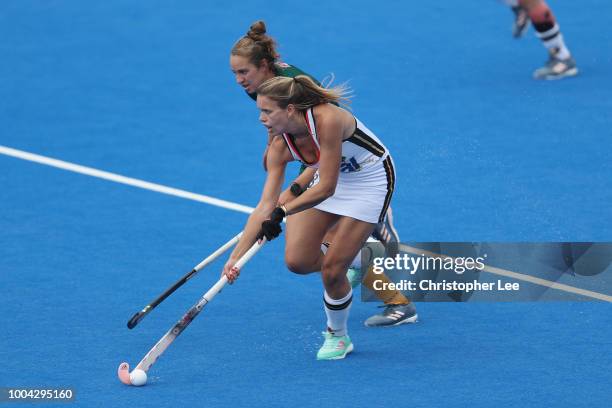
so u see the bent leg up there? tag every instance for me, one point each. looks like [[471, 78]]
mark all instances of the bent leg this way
[[305, 232], [350, 236]]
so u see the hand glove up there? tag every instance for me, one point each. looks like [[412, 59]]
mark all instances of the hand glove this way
[[271, 228]]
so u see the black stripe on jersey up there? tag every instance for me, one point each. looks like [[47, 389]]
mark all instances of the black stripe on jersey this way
[[370, 139], [361, 139], [390, 187], [338, 307]]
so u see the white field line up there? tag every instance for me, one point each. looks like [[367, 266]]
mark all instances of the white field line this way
[[520, 276], [117, 178]]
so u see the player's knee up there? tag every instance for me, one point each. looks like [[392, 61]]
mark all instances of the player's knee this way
[[334, 271], [296, 264], [539, 12], [331, 280]]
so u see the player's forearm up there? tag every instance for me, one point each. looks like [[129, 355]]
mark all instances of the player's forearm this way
[[309, 199], [251, 230], [305, 178]]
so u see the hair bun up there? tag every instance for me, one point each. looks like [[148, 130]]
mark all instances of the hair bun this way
[[257, 30]]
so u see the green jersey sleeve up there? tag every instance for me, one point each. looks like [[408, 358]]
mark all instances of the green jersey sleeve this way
[[285, 70]]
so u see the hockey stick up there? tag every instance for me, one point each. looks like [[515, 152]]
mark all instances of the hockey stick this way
[[140, 315], [139, 376]]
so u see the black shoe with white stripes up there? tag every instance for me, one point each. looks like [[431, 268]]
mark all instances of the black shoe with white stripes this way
[[394, 315], [385, 231], [556, 68]]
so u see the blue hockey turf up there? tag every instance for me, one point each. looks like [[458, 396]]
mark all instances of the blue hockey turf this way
[[143, 89]]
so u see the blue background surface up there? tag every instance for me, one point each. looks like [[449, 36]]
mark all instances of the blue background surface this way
[[143, 89]]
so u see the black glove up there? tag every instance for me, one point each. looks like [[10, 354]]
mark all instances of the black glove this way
[[271, 228]]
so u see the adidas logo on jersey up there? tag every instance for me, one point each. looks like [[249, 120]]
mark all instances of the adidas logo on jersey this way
[[349, 166]]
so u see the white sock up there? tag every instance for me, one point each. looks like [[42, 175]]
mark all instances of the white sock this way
[[552, 39], [337, 311]]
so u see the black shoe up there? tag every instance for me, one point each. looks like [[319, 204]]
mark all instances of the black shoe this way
[[394, 315], [556, 68]]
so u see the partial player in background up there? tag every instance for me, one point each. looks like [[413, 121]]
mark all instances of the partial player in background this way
[[560, 63], [320, 135], [253, 60]]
